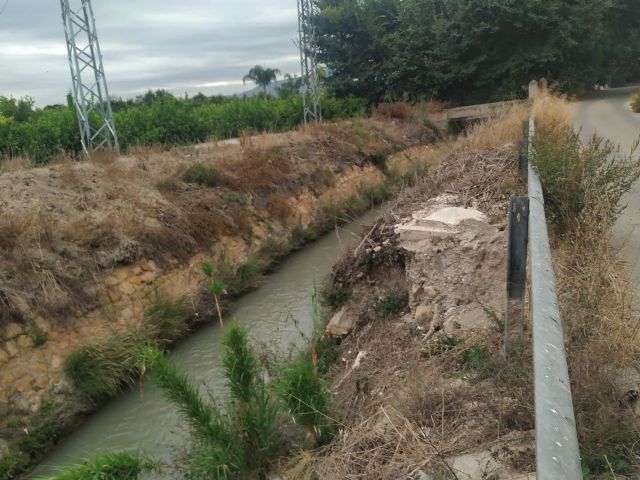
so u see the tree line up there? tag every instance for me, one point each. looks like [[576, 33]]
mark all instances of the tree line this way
[[467, 51], [157, 118]]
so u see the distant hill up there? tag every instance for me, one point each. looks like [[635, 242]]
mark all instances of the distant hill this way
[[272, 89]]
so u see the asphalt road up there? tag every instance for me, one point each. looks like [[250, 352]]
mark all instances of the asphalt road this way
[[608, 114]]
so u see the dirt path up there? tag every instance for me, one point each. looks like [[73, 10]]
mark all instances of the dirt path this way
[[608, 114]]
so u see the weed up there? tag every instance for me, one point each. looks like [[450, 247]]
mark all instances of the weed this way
[[37, 334], [167, 318], [497, 323], [391, 303], [108, 466], [439, 344], [475, 358], [216, 287], [11, 466], [98, 371], [204, 175], [335, 295]]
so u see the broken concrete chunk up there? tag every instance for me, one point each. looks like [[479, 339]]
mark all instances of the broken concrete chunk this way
[[341, 324]]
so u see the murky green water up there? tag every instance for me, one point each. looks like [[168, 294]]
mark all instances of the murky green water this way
[[142, 419]]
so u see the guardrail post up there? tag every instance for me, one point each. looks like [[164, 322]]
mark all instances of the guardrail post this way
[[516, 273]]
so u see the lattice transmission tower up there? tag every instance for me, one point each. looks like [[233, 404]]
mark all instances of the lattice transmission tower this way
[[90, 92], [307, 9]]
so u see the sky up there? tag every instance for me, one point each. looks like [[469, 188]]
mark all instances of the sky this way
[[182, 46]]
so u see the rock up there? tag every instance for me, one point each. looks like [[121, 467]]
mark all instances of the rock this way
[[149, 266], [12, 331], [126, 288], [341, 324], [25, 341], [42, 383], [424, 314], [114, 294], [148, 277], [11, 348], [122, 275], [43, 324], [56, 361], [430, 292], [4, 356], [112, 282], [24, 383]]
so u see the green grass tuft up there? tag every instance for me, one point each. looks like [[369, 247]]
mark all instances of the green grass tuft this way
[[108, 466], [167, 319], [391, 303]]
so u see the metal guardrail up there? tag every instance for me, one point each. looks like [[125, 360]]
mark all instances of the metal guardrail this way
[[557, 451]]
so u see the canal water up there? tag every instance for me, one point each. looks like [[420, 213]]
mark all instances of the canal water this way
[[275, 313]]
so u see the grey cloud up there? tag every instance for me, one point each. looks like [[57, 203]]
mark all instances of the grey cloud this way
[[180, 46]]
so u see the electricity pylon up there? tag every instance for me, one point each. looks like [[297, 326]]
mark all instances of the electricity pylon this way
[[90, 92], [309, 61]]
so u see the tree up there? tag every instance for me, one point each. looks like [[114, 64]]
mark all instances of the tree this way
[[291, 86], [261, 76]]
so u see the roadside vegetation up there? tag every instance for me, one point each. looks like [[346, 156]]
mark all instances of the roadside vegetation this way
[[635, 102], [157, 118], [584, 186]]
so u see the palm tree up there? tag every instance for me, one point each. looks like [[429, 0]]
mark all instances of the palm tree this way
[[261, 76]]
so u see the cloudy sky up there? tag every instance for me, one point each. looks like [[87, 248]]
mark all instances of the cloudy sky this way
[[183, 46]]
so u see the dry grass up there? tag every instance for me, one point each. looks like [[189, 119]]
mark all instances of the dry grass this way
[[635, 102], [552, 113], [65, 225], [505, 128], [13, 164]]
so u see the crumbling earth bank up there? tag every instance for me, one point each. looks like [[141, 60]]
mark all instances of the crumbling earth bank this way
[[423, 388]]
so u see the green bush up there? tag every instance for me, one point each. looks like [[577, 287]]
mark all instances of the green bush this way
[[582, 182], [164, 120]]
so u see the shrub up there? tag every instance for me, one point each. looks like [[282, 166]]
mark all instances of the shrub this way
[[204, 175], [399, 110], [583, 183]]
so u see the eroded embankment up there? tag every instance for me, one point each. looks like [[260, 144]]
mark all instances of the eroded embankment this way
[[95, 249], [419, 382]]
